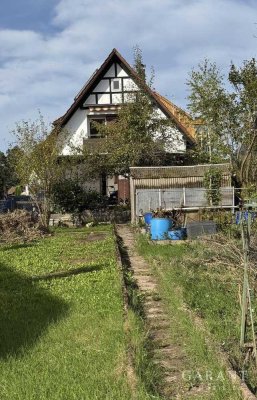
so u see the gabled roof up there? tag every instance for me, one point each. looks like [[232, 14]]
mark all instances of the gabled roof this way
[[183, 121]]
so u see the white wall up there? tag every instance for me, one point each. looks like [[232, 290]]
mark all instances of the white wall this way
[[103, 86], [74, 132]]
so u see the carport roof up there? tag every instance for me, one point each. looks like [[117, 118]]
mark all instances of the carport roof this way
[[176, 171]]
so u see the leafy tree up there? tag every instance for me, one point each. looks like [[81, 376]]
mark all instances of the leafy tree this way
[[8, 176], [228, 109], [139, 136], [38, 164]]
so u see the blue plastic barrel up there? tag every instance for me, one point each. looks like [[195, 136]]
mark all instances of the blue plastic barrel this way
[[148, 217], [160, 228], [177, 234]]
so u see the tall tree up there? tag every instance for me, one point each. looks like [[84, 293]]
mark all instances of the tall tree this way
[[228, 109]]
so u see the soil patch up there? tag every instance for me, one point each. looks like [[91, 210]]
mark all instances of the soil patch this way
[[93, 236]]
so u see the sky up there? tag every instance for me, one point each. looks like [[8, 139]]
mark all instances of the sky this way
[[49, 48]]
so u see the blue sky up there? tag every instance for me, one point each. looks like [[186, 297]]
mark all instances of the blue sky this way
[[49, 48]]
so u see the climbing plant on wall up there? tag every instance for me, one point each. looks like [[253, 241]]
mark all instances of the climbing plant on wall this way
[[212, 184]]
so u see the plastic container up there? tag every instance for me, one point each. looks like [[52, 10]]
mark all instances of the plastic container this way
[[148, 217], [177, 234], [159, 228]]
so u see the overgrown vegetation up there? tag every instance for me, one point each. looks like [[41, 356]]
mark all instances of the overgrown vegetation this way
[[212, 183], [201, 289]]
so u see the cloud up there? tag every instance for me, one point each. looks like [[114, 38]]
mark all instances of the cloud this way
[[46, 69]]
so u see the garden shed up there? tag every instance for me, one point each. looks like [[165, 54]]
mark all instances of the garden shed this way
[[176, 187]]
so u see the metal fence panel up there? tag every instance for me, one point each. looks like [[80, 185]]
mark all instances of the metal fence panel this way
[[147, 199], [167, 199], [172, 198]]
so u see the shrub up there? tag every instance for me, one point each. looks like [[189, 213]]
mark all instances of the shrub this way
[[69, 196]]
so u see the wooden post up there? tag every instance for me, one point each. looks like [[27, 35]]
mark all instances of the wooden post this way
[[245, 242], [244, 298], [233, 199], [132, 201]]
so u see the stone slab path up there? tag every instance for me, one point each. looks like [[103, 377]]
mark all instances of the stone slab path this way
[[167, 356]]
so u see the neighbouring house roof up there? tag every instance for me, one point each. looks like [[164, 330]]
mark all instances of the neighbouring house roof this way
[[183, 121], [177, 171]]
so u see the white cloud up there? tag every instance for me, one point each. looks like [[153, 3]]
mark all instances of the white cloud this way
[[46, 70]]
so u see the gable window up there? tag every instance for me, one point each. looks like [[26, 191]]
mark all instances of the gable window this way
[[116, 84]]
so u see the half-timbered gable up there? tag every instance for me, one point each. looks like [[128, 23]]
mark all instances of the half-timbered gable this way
[[100, 99]]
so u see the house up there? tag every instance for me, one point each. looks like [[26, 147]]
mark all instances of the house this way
[[99, 100]]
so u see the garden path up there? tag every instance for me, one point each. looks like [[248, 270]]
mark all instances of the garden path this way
[[167, 355]]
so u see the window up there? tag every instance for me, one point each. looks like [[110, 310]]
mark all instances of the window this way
[[116, 85], [110, 119], [107, 119], [93, 128]]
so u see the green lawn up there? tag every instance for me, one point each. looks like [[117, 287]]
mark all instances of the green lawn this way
[[192, 288], [64, 338]]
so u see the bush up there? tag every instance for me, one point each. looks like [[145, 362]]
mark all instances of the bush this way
[[71, 197]]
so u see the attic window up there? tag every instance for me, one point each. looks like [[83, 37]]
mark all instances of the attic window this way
[[116, 85]]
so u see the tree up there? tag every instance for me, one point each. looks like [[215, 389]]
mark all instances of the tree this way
[[38, 164], [139, 136], [8, 177], [3, 173], [228, 110]]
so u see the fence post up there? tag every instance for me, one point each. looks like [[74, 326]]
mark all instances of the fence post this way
[[160, 198], [184, 196]]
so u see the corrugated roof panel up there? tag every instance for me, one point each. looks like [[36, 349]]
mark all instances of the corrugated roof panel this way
[[176, 171]]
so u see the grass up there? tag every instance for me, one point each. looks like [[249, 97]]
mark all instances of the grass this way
[[202, 304], [65, 338]]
